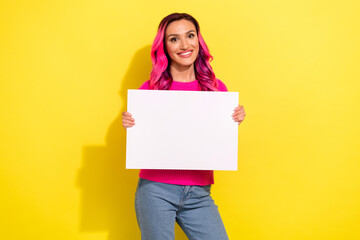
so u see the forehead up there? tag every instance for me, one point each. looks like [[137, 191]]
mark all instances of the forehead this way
[[180, 27]]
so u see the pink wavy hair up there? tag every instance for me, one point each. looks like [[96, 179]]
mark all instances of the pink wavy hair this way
[[160, 77]]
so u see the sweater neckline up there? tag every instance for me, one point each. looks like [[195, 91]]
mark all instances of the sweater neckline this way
[[182, 83]]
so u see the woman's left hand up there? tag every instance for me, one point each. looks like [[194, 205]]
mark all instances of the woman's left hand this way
[[239, 114]]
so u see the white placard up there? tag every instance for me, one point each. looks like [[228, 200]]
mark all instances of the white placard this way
[[182, 130]]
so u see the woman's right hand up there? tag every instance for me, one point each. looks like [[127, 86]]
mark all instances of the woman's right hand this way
[[127, 120]]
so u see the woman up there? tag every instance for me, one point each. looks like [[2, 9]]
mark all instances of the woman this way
[[181, 61]]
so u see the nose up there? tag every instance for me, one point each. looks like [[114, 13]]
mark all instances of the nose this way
[[184, 44]]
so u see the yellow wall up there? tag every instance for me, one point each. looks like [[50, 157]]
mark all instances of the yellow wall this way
[[65, 67]]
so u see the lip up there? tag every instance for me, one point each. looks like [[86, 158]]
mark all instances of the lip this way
[[186, 55]]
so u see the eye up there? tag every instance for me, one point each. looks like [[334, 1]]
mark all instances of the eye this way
[[191, 35], [174, 39]]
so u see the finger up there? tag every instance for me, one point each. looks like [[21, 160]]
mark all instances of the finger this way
[[239, 111], [238, 114], [239, 117], [235, 112], [128, 122], [127, 118], [239, 108], [126, 114], [238, 120], [127, 125]]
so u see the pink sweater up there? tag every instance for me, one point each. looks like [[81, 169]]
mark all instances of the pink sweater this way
[[181, 177]]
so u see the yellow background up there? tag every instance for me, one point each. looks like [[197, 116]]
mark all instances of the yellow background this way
[[65, 67]]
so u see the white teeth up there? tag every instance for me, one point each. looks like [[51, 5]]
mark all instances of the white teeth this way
[[186, 53]]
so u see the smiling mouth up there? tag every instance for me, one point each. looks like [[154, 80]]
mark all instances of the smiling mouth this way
[[185, 54]]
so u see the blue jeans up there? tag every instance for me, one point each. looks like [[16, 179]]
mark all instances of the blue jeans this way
[[159, 205]]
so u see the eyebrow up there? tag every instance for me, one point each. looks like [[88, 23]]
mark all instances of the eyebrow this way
[[178, 34]]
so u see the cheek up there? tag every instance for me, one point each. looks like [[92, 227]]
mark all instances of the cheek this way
[[167, 47], [196, 45], [171, 48]]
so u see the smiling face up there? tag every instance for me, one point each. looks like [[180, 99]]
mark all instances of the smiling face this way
[[182, 43]]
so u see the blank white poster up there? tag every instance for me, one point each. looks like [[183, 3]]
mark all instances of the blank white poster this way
[[182, 130]]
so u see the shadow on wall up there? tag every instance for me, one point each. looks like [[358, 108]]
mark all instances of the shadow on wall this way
[[107, 189]]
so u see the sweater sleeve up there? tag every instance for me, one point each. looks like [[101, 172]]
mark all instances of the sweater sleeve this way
[[145, 85], [222, 87]]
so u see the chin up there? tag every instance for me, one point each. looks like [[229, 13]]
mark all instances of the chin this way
[[186, 63]]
